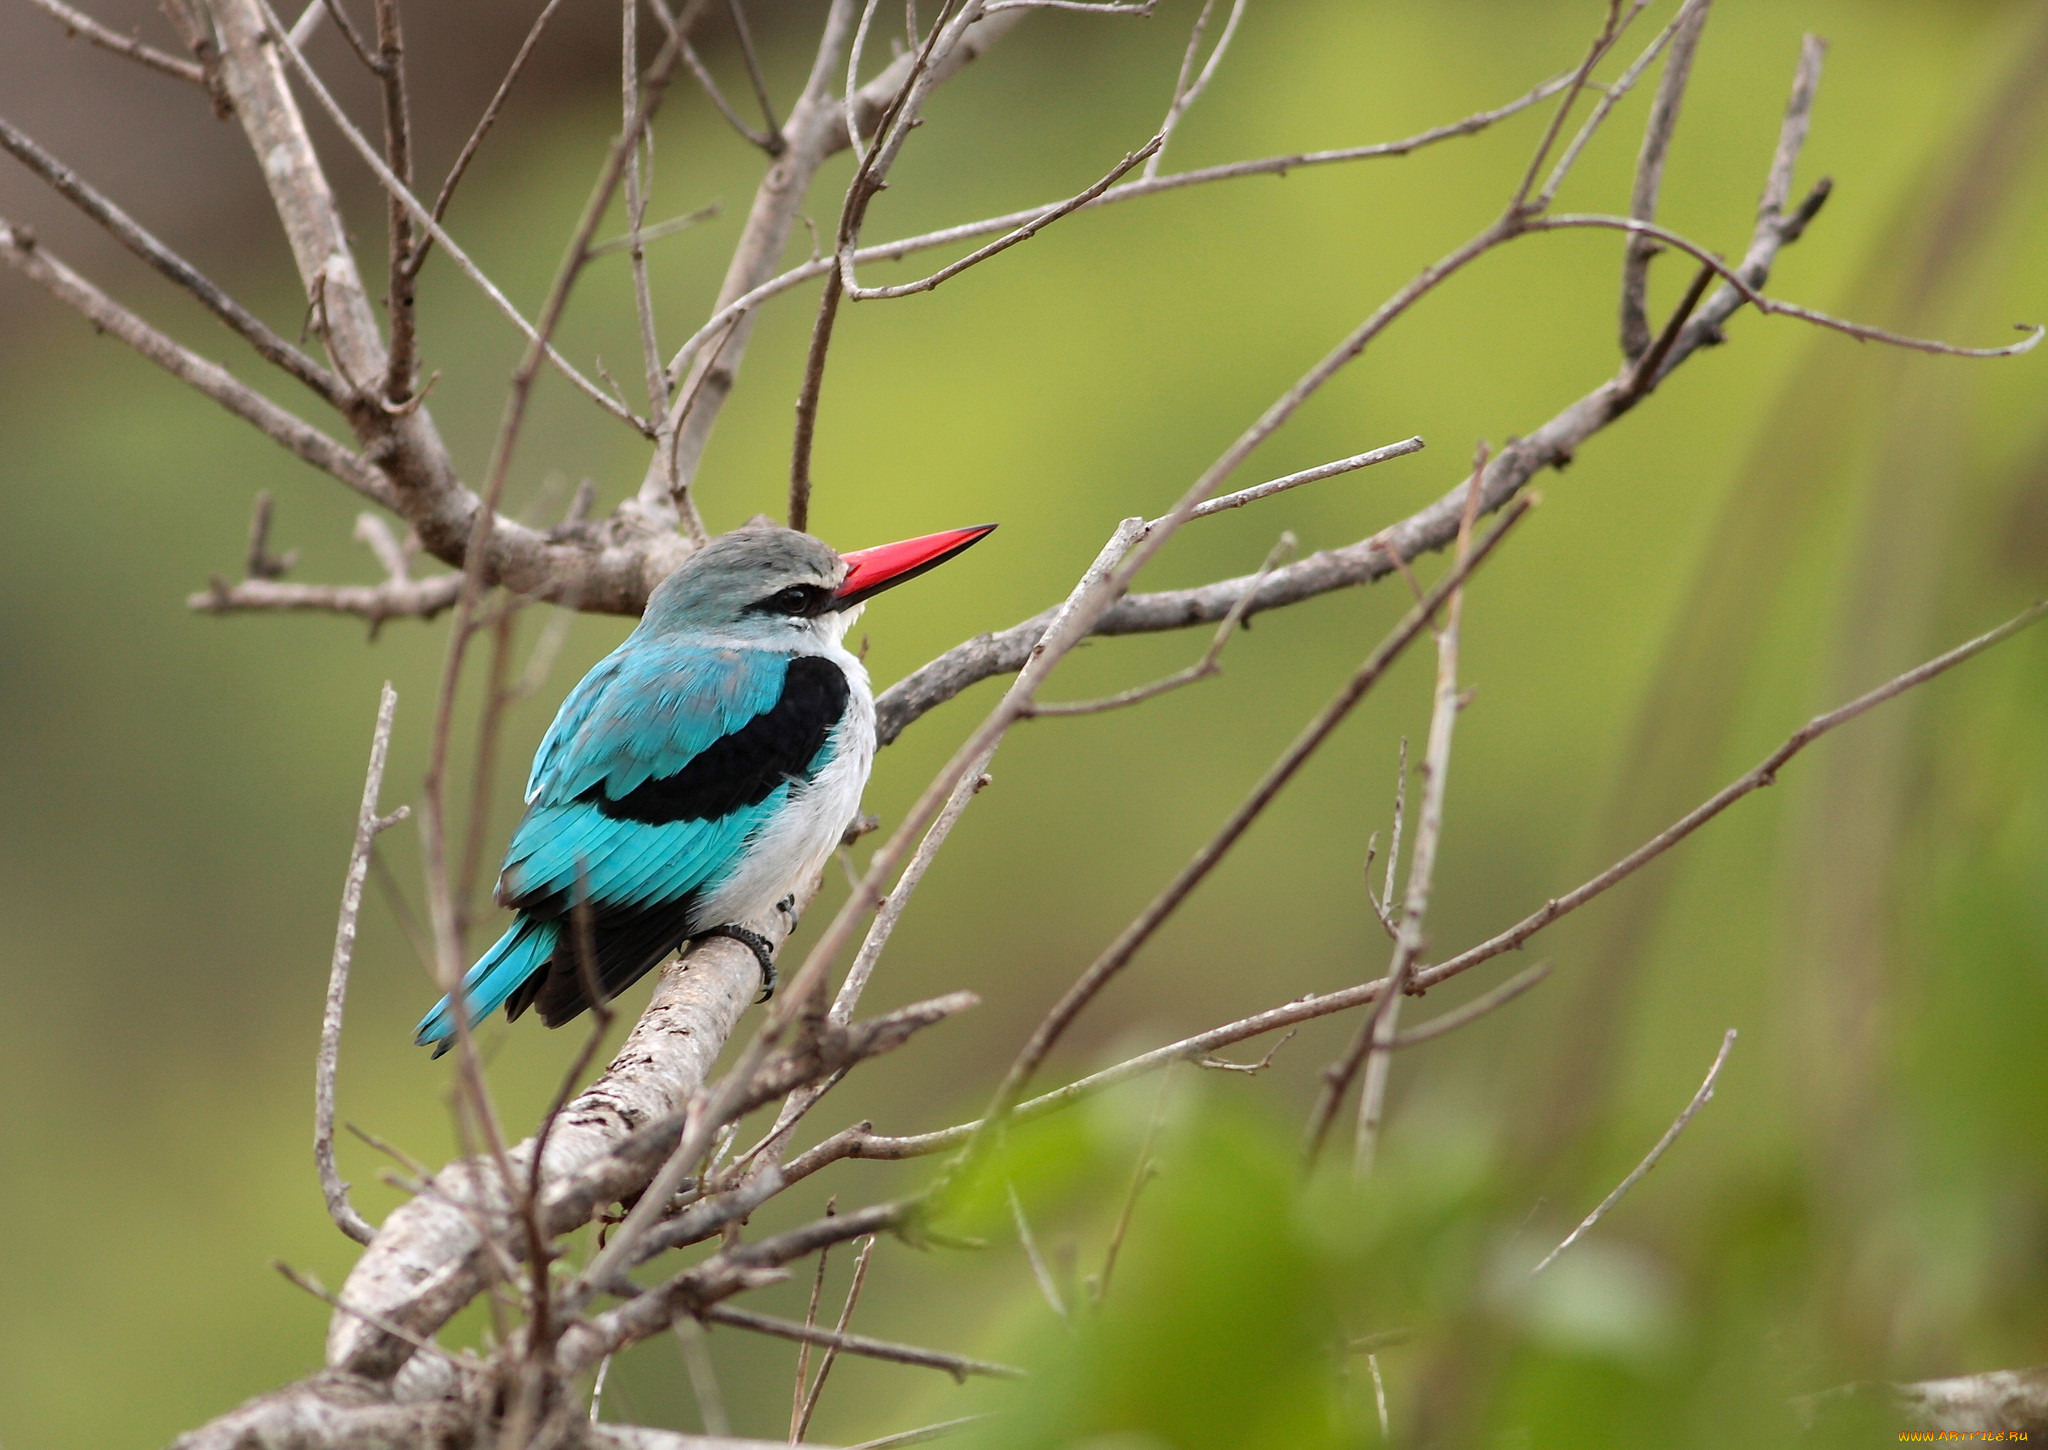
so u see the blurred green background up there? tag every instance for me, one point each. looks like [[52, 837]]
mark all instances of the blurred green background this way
[[1792, 519]]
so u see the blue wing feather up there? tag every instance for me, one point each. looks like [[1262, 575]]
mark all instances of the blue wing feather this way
[[645, 712]]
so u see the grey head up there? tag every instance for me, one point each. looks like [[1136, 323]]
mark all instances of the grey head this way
[[759, 586]]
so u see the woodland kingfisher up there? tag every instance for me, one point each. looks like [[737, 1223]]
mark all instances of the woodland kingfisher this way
[[697, 777]]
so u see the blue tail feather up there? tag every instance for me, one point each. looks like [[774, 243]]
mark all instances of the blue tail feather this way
[[517, 955]]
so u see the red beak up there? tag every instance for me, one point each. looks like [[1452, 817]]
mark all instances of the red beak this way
[[870, 571]]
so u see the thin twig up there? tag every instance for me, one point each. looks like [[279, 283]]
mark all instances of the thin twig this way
[[1142, 1173], [803, 1353], [1657, 133], [402, 351], [890, 909], [1119, 953], [1611, 96], [1043, 1275], [482, 128], [763, 139], [959, 1366], [368, 825], [1375, 1041], [1003, 243], [1186, 93], [636, 214], [125, 230], [810, 1405], [1699, 1100], [738, 12], [1473, 1010], [1308, 475], [1309, 1008], [1217, 1064], [349, 33], [656, 232], [703, 1377], [19, 249], [1610, 31], [1211, 662], [1771, 306], [744, 302], [920, 1435], [431, 225], [427, 1346], [77, 22]]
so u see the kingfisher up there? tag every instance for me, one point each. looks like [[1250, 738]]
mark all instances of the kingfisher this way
[[697, 777]]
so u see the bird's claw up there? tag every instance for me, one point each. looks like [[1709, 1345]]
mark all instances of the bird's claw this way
[[760, 946]]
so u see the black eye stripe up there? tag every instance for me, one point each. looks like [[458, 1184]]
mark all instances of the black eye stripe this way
[[797, 599]]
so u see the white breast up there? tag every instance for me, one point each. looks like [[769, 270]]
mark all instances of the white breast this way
[[782, 857]]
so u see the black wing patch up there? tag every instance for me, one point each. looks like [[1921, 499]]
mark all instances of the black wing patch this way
[[624, 947], [745, 767]]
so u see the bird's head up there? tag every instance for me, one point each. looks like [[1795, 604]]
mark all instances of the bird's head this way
[[775, 588]]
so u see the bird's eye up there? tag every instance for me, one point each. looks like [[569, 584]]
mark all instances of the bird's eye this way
[[797, 599]]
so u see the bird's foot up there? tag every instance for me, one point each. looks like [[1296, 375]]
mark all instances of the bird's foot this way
[[787, 906], [759, 945]]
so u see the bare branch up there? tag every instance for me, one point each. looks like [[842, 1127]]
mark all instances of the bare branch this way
[[126, 231], [920, 1435], [392, 599], [817, 129], [401, 369], [1039, 1271], [1119, 953], [1610, 31], [759, 82], [1657, 134], [860, 1142], [482, 129], [742, 304], [656, 232], [959, 1366], [763, 139], [1475, 1009], [1308, 475], [1023, 233], [1611, 96], [1766, 773], [1142, 1172], [810, 1403], [368, 826], [1771, 306], [1211, 662], [77, 22], [1186, 92], [402, 195], [20, 250], [1375, 1041], [1699, 1100]]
